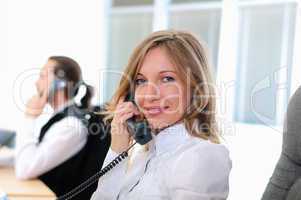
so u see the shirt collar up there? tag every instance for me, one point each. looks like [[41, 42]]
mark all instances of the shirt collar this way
[[169, 138]]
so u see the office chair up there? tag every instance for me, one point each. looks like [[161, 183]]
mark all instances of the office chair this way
[[285, 183]]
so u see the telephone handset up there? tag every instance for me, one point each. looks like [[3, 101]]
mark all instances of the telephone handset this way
[[140, 130], [61, 84], [56, 85]]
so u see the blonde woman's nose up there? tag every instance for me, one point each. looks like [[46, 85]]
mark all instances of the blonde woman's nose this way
[[151, 91]]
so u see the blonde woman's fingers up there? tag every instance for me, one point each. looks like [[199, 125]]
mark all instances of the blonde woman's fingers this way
[[126, 117]]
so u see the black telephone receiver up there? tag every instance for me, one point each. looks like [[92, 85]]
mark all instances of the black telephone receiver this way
[[140, 131]]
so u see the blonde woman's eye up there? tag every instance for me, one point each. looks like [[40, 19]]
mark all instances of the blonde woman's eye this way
[[168, 79], [139, 81]]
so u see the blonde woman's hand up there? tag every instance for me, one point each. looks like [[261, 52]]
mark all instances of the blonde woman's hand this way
[[120, 137]]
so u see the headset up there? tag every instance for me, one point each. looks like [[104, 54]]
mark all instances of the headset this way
[[78, 91]]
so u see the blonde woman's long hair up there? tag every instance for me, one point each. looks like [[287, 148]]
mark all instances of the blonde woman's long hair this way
[[190, 59]]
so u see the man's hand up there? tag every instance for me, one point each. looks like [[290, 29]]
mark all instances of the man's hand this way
[[35, 105]]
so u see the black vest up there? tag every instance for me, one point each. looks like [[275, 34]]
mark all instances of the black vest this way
[[85, 163]]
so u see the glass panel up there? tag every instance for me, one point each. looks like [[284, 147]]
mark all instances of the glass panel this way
[[204, 24], [264, 60], [126, 31], [117, 3], [194, 1]]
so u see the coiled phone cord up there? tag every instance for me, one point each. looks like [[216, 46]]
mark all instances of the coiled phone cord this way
[[96, 176]]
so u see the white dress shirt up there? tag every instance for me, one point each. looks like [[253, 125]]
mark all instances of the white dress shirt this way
[[177, 166], [63, 140]]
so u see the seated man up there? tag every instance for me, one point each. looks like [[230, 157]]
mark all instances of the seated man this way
[[61, 153], [285, 183]]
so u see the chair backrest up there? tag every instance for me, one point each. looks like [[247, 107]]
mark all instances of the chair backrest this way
[[288, 169], [87, 161]]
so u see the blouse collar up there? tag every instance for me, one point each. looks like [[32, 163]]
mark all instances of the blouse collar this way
[[170, 138]]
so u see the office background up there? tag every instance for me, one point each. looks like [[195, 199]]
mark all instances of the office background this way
[[253, 44]]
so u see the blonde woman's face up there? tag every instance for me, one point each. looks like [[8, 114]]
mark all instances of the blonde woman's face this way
[[160, 94]]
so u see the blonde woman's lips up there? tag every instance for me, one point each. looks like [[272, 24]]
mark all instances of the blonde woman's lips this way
[[154, 110]]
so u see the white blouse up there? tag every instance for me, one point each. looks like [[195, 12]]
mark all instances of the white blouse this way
[[177, 166], [63, 140]]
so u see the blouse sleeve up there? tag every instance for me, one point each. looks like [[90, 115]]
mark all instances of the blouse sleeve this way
[[201, 173], [110, 184]]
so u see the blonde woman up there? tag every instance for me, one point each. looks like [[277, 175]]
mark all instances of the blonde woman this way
[[169, 76]]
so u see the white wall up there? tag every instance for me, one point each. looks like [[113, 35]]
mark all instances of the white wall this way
[[35, 30], [254, 150]]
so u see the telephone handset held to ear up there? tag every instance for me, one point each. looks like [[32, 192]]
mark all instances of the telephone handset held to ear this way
[[61, 84], [56, 85], [140, 130]]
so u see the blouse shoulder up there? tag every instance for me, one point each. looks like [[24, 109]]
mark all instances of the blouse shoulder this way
[[208, 150], [204, 153], [202, 166]]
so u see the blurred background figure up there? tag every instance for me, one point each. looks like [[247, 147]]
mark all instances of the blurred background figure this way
[[60, 152]]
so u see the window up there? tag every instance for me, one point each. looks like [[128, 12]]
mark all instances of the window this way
[[131, 23], [264, 60], [193, 1], [204, 23], [117, 3]]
